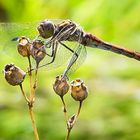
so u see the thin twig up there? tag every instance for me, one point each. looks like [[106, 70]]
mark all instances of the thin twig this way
[[68, 134], [31, 84], [33, 122], [64, 109], [31, 101], [36, 72], [23, 93], [79, 109], [30, 112], [70, 126], [30, 66]]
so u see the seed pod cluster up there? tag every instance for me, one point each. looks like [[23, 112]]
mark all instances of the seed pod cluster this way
[[35, 48], [79, 91], [13, 74]]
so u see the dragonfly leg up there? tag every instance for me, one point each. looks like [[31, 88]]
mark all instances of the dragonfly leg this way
[[72, 60], [48, 43], [43, 51], [63, 32], [53, 55], [64, 45], [52, 50]]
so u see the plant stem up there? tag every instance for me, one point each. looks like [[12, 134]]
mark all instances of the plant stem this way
[[79, 109], [68, 134], [31, 100], [33, 122], [65, 109], [31, 84], [30, 66], [24, 95], [69, 127], [30, 106], [36, 72]]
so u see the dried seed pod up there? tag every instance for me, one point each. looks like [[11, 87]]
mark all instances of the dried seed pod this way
[[38, 51], [24, 46], [13, 74], [61, 86], [78, 90]]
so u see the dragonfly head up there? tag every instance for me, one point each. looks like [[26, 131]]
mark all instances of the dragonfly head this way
[[46, 29]]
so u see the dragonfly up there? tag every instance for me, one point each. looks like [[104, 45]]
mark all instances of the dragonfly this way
[[64, 41], [62, 57]]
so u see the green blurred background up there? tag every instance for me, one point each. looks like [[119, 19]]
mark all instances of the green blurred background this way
[[112, 109]]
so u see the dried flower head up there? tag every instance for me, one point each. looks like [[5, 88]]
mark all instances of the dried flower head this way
[[38, 51], [24, 46], [13, 74], [61, 86], [78, 90]]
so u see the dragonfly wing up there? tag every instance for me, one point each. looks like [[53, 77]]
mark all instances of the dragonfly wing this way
[[8, 31], [67, 51], [76, 59], [62, 57]]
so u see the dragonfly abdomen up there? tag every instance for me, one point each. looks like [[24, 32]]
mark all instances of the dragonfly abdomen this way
[[90, 40]]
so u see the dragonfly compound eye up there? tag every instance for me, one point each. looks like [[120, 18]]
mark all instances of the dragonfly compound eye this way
[[46, 29], [13, 74]]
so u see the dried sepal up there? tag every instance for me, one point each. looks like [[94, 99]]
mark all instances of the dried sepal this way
[[78, 90], [24, 46], [38, 51], [71, 121], [61, 86], [13, 74]]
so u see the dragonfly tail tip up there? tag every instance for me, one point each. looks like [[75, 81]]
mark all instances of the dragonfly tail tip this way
[[15, 39]]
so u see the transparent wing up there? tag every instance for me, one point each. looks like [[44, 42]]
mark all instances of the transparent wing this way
[[8, 48], [64, 56], [8, 31], [82, 53], [67, 50]]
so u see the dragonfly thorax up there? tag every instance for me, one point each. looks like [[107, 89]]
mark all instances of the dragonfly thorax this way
[[46, 29]]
